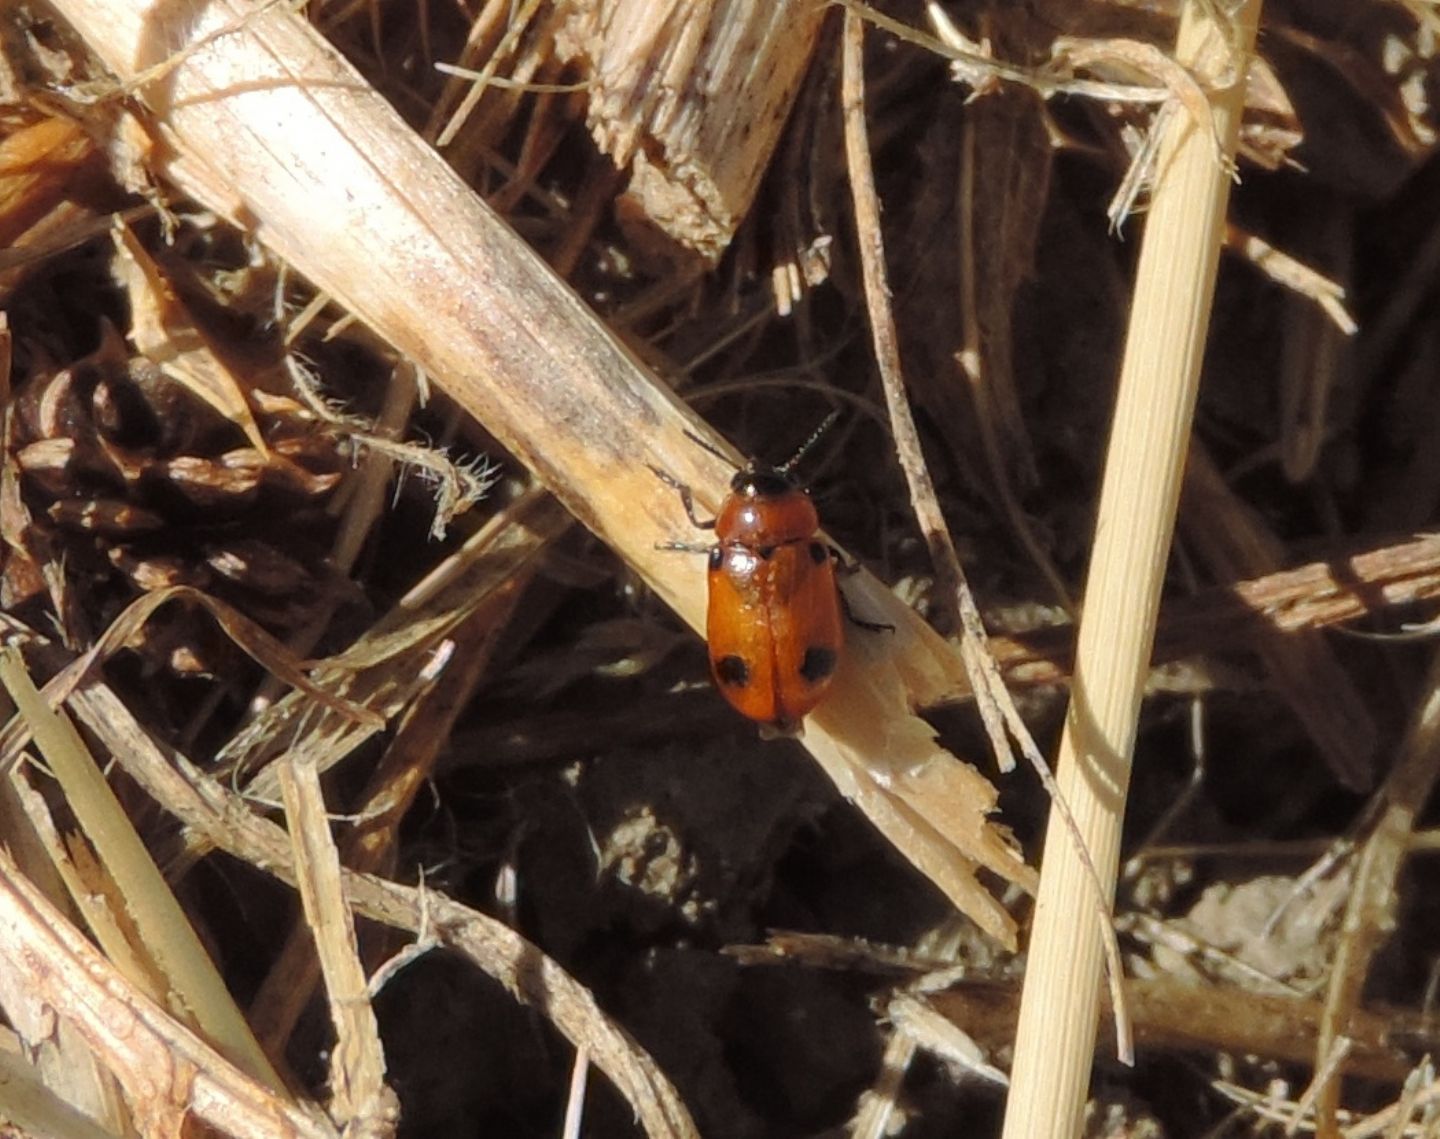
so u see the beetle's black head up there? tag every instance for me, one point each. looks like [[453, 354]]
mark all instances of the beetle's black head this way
[[760, 480]]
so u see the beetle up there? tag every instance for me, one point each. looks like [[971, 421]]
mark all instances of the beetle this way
[[773, 626]]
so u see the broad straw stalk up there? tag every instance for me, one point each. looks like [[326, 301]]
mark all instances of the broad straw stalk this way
[[1159, 378]]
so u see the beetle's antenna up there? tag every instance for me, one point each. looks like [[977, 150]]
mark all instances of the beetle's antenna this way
[[707, 446], [815, 437]]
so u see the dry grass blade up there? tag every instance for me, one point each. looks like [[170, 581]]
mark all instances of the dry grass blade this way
[[879, 1106], [159, 923], [32, 1107], [1158, 385], [973, 65], [519, 21], [1369, 917], [56, 1055], [1421, 1091], [359, 1096], [255, 641], [1327, 294], [1383, 583], [1323, 1084]]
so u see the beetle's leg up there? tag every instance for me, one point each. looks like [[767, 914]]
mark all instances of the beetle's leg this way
[[684, 547], [848, 568], [685, 498]]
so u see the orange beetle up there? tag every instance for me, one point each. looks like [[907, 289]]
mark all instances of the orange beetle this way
[[774, 623]]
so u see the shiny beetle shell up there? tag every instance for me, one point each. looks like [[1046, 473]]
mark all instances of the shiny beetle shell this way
[[774, 623]]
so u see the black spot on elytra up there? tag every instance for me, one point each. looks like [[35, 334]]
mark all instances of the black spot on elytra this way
[[766, 553], [732, 671], [818, 664]]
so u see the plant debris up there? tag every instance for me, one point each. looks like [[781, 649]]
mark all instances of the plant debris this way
[[286, 550]]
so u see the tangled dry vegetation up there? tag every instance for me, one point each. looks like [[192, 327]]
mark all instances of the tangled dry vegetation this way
[[330, 539]]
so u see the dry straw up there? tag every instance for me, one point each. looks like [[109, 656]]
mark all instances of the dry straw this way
[[1136, 519], [451, 287]]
